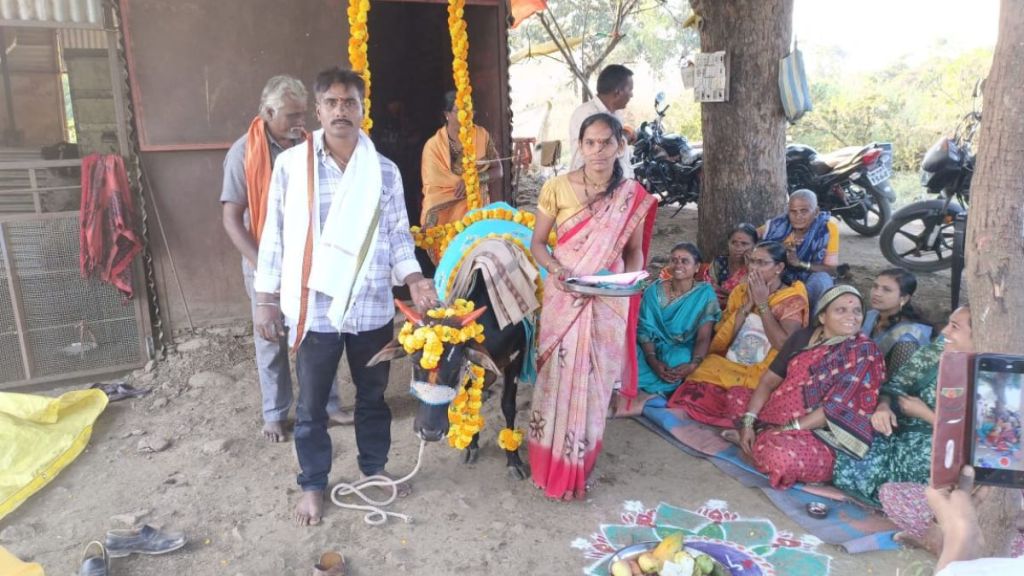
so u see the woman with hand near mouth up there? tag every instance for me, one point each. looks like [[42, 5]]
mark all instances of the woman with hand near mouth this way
[[816, 398], [760, 316]]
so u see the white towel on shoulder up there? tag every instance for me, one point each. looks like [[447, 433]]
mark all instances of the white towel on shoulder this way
[[336, 270]]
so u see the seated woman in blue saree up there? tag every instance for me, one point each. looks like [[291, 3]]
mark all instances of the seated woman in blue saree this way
[[893, 322], [677, 318]]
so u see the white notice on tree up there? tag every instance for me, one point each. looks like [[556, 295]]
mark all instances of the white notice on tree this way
[[711, 77]]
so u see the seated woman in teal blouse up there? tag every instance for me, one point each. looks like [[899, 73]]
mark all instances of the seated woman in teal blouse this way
[[677, 318], [892, 321]]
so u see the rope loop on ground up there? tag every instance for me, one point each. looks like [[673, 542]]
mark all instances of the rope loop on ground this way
[[375, 515]]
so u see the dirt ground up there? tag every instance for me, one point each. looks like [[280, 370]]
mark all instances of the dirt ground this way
[[232, 492]]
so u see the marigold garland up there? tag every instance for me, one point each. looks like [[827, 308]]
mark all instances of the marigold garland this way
[[435, 240], [431, 339], [464, 100], [358, 39], [464, 419], [509, 439]]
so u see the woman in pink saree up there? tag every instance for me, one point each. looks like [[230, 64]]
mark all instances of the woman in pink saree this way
[[586, 345]]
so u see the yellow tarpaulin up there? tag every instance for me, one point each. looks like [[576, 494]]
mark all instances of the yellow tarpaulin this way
[[39, 437], [10, 565]]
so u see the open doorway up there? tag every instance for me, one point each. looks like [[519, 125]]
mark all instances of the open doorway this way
[[411, 60]]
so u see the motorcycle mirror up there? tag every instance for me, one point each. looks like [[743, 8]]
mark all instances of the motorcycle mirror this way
[[658, 99]]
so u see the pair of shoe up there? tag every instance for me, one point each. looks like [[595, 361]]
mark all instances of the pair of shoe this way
[[330, 564], [121, 543]]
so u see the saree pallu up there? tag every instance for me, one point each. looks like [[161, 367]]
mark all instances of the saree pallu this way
[[840, 378], [441, 178], [704, 395], [672, 328], [906, 454], [582, 344]]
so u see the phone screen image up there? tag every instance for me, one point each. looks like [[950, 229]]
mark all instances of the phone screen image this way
[[997, 417]]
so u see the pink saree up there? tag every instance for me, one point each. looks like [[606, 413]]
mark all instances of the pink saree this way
[[586, 346]]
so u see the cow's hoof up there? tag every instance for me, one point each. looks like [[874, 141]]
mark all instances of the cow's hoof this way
[[517, 471], [470, 454]]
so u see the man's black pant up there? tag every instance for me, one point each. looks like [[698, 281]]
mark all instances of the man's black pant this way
[[316, 366]]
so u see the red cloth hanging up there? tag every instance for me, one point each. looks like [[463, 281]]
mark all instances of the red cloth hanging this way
[[108, 241], [523, 9]]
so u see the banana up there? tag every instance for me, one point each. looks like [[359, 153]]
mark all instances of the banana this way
[[668, 547]]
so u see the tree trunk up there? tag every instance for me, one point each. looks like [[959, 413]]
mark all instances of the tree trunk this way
[[745, 138], [995, 243]]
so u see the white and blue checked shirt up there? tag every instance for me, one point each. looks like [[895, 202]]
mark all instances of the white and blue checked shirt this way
[[393, 257]]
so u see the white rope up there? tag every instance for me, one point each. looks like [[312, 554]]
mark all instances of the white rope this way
[[375, 515]]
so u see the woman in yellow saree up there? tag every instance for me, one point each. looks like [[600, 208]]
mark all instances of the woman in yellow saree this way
[[444, 192], [761, 314]]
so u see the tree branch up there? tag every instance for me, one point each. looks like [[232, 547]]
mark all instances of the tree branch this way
[[563, 47]]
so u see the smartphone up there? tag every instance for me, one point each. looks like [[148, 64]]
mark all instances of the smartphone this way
[[997, 450]]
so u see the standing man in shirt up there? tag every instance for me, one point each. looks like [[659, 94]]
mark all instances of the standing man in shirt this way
[[614, 91], [279, 125], [335, 238]]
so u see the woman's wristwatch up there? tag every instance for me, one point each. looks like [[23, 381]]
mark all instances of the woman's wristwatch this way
[[806, 266]]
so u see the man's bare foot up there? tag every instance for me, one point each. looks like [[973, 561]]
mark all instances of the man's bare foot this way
[[342, 417], [274, 431], [310, 508]]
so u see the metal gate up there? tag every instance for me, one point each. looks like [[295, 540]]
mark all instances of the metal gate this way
[[54, 324]]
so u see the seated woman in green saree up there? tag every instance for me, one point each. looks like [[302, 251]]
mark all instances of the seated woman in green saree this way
[[903, 420], [677, 317]]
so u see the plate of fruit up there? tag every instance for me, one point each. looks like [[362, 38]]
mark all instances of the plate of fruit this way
[[666, 558]]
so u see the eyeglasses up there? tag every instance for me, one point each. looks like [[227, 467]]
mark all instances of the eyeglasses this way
[[758, 262], [349, 104]]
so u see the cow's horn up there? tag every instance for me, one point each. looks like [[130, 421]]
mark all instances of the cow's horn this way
[[413, 316], [472, 316]]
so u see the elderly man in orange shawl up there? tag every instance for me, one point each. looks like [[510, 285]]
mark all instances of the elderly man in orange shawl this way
[[444, 192], [248, 164]]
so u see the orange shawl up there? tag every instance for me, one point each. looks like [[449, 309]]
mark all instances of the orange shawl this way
[[257, 174], [440, 206]]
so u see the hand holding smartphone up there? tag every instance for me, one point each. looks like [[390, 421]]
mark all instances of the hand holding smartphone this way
[[996, 450], [978, 419]]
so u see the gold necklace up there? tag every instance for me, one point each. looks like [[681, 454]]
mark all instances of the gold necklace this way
[[597, 187]]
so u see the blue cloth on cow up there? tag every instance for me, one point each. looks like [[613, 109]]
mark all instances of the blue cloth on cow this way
[[462, 244]]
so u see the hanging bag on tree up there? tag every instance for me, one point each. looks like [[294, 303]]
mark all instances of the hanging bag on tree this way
[[796, 95]]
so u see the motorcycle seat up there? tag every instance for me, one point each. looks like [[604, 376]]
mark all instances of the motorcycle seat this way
[[824, 163]]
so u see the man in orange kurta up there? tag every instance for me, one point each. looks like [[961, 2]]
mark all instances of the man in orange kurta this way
[[444, 192]]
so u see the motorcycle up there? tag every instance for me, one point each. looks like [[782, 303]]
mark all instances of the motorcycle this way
[[922, 236], [852, 183], [666, 164]]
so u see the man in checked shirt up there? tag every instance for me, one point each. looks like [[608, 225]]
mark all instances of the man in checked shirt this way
[[330, 273]]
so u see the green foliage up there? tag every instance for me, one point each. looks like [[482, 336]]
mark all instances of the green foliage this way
[[908, 105]]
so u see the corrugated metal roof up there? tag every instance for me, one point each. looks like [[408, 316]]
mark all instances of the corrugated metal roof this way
[[31, 50], [83, 39], [53, 11]]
